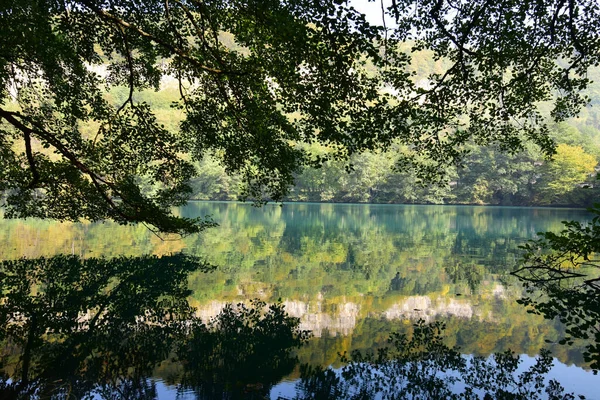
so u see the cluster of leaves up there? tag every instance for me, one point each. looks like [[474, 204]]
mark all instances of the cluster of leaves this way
[[423, 367], [503, 60], [298, 71], [560, 274]]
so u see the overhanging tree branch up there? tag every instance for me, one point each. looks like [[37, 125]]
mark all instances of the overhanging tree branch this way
[[105, 15]]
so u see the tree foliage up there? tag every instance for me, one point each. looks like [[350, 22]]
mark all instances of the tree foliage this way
[[571, 166], [560, 273], [256, 79]]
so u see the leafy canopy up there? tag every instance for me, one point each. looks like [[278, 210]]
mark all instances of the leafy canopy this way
[[297, 71]]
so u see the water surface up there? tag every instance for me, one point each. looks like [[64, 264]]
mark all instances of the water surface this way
[[351, 273]]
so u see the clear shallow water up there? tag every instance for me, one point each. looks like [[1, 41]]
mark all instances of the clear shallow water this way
[[351, 273]]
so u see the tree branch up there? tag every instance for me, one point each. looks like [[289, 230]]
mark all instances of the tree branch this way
[[436, 17], [175, 50], [31, 160], [11, 117], [131, 78]]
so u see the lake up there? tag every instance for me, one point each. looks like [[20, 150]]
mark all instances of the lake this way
[[351, 273]]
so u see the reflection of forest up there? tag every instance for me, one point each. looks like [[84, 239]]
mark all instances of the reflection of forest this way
[[351, 273], [97, 328]]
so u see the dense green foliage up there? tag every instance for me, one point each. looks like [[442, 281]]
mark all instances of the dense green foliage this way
[[262, 94], [295, 73], [487, 174]]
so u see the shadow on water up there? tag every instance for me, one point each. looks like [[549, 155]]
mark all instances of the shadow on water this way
[[99, 328]]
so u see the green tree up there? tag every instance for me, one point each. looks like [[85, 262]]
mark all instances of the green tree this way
[[573, 135], [212, 181], [255, 79], [571, 166]]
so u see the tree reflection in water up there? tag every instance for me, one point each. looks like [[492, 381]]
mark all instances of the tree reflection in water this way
[[423, 367], [561, 275], [74, 328], [242, 353]]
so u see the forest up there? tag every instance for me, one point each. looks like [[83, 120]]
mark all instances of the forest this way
[[266, 106], [486, 175]]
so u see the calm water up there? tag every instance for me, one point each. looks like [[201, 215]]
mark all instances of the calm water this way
[[351, 273]]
